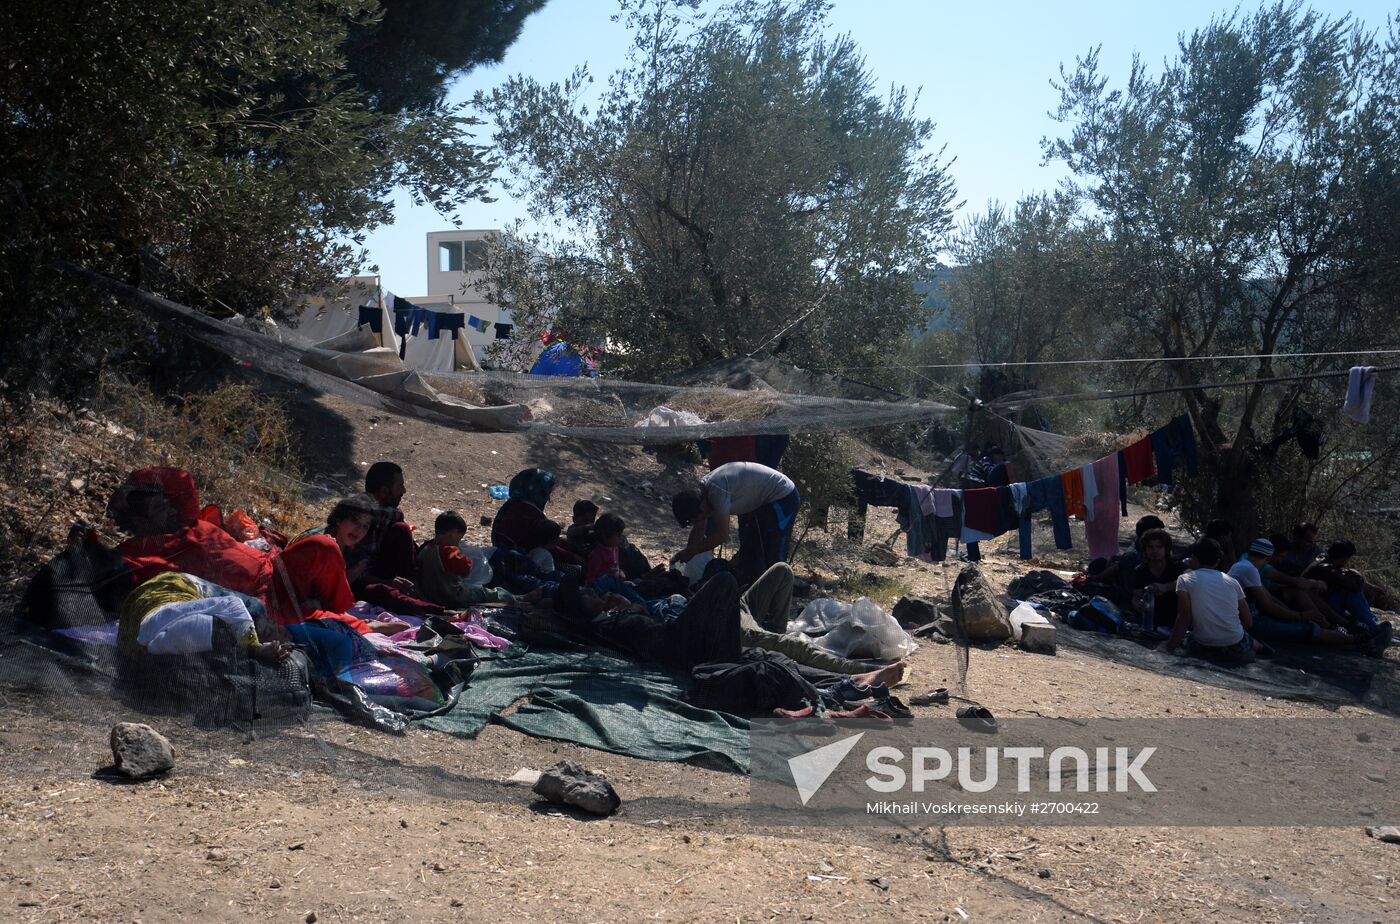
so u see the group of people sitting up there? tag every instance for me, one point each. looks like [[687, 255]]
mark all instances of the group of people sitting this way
[[355, 577], [1235, 604]]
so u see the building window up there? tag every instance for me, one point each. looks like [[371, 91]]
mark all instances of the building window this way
[[450, 257], [460, 256], [503, 331]]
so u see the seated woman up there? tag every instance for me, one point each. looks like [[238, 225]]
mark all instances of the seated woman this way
[[159, 507], [310, 594], [521, 525]]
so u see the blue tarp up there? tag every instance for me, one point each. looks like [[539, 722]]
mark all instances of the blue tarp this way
[[558, 359]]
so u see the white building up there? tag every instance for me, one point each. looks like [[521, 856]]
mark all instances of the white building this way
[[454, 263]]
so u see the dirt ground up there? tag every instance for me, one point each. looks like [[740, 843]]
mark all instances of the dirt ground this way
[[341, 823]]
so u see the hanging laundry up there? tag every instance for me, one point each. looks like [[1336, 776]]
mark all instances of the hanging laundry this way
[[1045, 494], [1102, 528], [1091, 490], [1172, 445], [943, 501], [1361, 385], [1139, 465], [371, 317], [1122, 485], [439, 321], [1072, 485], [980, 515]]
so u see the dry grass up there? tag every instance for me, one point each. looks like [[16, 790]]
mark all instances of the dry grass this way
[[59, 465]]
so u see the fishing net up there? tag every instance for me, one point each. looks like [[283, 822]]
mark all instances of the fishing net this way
[[742, 397]]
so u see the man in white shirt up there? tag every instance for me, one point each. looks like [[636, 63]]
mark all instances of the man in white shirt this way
[[765, 501], [1212, 605]]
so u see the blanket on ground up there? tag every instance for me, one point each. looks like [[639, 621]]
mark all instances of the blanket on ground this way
[[598, 700]]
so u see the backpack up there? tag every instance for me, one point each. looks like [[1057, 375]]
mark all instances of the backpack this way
[[1098, 615], [759, 682], [84, 585]]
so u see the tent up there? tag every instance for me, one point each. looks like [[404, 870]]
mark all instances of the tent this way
[[559, 358]]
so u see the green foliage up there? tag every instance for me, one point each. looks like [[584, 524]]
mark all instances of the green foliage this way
[[820, 465], [1251, 194], [740, 187], [218, 152]]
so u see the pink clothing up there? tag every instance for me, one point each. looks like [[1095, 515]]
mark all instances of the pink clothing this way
[[602, 561], [1101, 529]]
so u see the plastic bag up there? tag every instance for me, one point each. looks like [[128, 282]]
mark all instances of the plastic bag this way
[[861, 630], [240, 526], [481, 565]]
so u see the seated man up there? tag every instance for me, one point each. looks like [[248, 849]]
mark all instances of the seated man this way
[[1223, 534], [1211, 604], [1122, 571], [1302, 549], [1157, 575], [159, 508], [765, 501], [1274, 622], [1287, 583], [1348, 592], [383, 568]]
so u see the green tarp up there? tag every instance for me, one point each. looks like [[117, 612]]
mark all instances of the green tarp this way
[[600, 701]]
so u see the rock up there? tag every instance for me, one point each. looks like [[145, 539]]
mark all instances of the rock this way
[[299, 845], [310, 917], [979, 612], [140, 752], [1044, 874], [218, 856], [525, 776], [485, 520], [1376, 777], [1038, 637], [880, 555], [913, 611], [568, 783], [880, 883], [1389, 834]]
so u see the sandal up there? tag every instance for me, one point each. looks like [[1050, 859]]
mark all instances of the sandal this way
[[932, 698], [977, 718]]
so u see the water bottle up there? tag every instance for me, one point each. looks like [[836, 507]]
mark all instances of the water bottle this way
[[1147, 604]]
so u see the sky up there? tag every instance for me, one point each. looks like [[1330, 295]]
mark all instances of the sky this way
[[983, 73]]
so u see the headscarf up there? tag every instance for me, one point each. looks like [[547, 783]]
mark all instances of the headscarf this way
[[533, 485], [176, 484]]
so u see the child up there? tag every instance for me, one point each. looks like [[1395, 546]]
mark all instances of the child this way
[[442, 568], [582, 534], [603, 572]]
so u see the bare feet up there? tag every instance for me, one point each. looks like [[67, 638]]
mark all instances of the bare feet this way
[[271, 652], [887, 676]]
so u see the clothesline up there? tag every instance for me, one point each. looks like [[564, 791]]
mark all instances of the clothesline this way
[[1169, 389], [1121, 360], [1097, 492]]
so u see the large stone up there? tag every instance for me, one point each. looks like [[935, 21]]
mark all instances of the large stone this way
[[139, 751], [979, 612], [568, 783], [1390, 834]]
